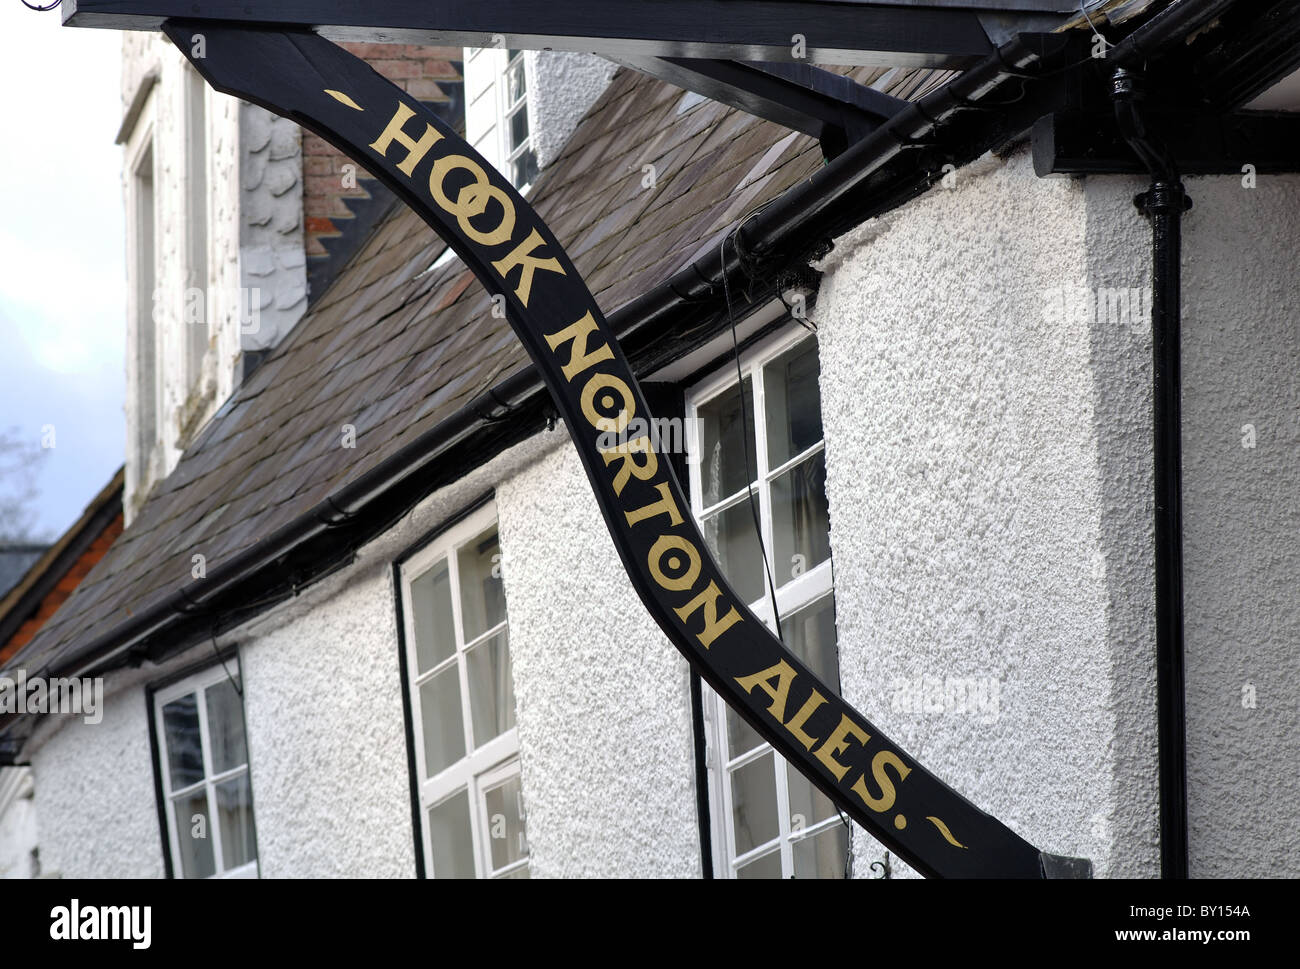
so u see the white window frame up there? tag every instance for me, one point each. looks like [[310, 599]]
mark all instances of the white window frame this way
[[804, 590], [489, 108], [197, 683], [483, 767], [506, 110], [141, 149], [197, 336]]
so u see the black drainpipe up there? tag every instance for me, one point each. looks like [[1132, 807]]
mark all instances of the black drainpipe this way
[[1164, 204]]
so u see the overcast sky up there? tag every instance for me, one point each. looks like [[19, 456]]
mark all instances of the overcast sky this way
[[62, 275]]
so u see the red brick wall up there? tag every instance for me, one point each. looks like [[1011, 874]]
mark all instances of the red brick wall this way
[[56, 597], [416, 70]]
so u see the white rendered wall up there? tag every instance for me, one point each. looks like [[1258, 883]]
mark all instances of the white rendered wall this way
[[561, 87], [604, 713], [95, 789], [326, 736], [1241, 365], [18, 839], [988, 479]]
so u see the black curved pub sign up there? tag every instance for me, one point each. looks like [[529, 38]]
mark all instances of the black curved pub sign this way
[[501, 239]]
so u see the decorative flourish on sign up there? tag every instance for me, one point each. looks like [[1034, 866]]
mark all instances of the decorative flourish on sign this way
[[344, 99], [943, 830]]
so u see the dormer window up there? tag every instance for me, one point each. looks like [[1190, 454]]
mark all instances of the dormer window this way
[[520, 157], [497, 121]]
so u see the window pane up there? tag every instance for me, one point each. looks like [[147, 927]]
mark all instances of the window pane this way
[[822, 856], [482, 599], [516, 82], [732, 538], [491, 689], [801, 522], [194, 834], [450, 837], [184, 746], [722, 445], [505, 811], [741, 737], [807, 804], [521, 872], [769, 866], [525, 169], [435, 635], [225, 726], [444, 730], [753, 804], [235, 812], [518, 128], [793, 403], [810, 634]]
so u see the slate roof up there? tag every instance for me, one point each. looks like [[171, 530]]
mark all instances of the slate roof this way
[[393, 348]]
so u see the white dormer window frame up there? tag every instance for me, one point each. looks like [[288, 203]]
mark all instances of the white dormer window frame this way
[[143, 269], [516, 148], [497, 119]]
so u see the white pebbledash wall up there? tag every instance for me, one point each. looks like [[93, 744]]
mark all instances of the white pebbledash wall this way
[[604, 712], [989, 477], [19, 848], [1241, 366], [562, 87]]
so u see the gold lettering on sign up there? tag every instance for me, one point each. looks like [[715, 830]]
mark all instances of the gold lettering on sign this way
[[784, 675], [666, 544], [837, 743], [416, 150], [630, 467], [664, 506], [713, 627], [522, 255], [795, 726], [583, 329], [627, 404], [885, 800], [472, 199]]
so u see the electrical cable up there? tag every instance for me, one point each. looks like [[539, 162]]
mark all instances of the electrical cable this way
[[744, 426], [749, 490], [217, 653]]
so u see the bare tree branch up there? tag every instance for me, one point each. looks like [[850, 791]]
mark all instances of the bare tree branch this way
[[20, 461]]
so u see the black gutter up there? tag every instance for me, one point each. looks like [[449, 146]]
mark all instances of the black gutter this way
[[894, 164], [1164, 204], [1180, 19]]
